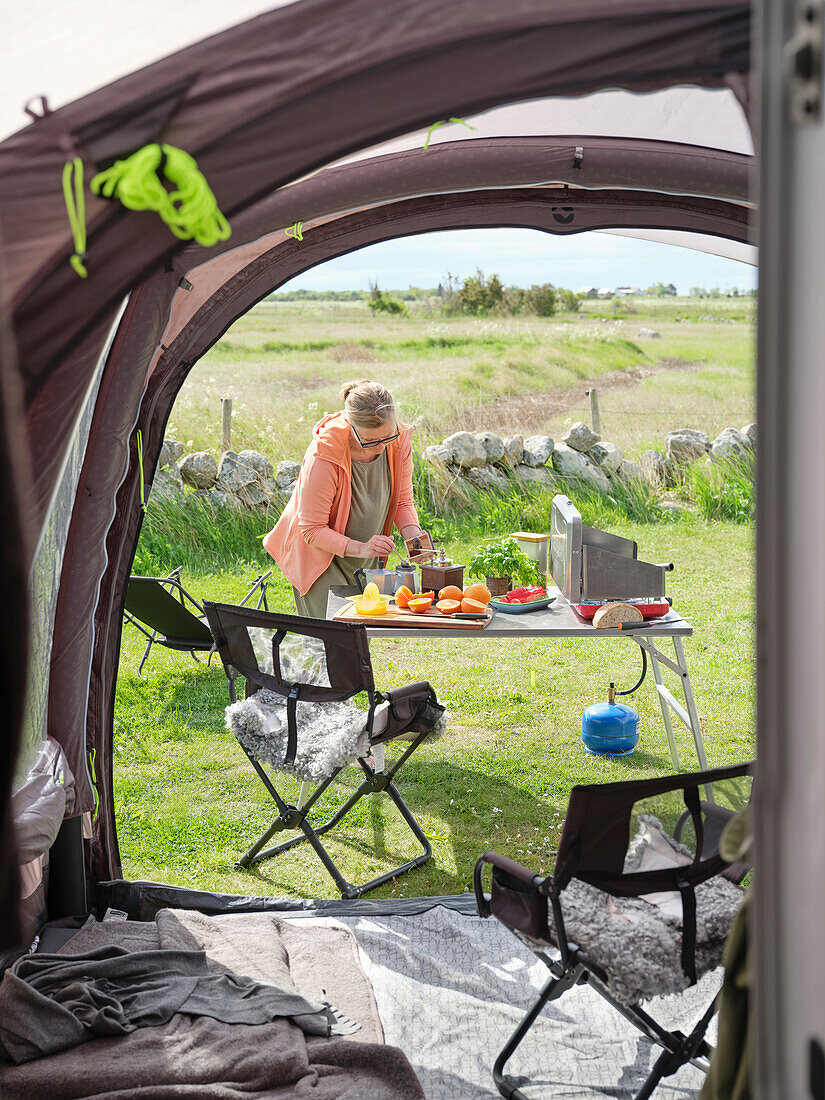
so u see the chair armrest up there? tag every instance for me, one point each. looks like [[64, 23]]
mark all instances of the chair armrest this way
[[510, 867]]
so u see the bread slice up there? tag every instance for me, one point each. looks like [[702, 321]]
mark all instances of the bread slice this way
[[612, 614]]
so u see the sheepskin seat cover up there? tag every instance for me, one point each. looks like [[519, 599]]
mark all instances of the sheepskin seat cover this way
[[330, 735], [638, 941]]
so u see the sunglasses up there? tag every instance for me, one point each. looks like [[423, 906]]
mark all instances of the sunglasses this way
[[374, 442]]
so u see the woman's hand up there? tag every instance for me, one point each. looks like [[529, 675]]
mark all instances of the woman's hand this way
[[379, 546]]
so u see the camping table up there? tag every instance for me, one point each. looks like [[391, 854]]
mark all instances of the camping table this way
[[559, 620]]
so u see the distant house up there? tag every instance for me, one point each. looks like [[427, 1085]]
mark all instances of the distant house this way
[[626, 291], [604, 292], [588, 291]]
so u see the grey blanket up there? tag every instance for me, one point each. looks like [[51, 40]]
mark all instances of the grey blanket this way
[[201, 1058], [49, 1003]]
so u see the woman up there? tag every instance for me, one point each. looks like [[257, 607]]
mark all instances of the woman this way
[[355, 484]]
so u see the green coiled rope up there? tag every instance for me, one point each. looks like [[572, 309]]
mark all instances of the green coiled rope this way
[[190, 210]]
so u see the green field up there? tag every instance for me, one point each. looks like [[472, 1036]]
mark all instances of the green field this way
[[283, 364], [187, 801]]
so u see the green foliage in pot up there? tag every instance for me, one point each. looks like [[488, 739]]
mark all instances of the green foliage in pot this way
[[504, 558]]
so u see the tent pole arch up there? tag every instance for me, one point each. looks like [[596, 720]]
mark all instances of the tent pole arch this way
[[92, 523], [359, 79]]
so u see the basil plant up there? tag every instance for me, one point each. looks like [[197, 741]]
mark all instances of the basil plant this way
[[504, 559]]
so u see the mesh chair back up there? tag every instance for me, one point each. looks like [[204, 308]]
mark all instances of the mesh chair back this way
[[630, 840], [603, 817], [314, 659], [156, 607], [648, 838]]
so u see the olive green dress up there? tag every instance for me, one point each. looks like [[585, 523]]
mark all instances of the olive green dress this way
[[368, 511]]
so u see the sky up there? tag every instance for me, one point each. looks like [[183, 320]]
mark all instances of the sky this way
[[521, 257]]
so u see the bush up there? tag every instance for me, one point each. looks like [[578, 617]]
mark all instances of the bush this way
[[568, 300], [381, 302], [479, 295], [541, 300]]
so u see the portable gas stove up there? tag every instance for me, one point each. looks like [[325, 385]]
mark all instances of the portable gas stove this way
[[593, 567]]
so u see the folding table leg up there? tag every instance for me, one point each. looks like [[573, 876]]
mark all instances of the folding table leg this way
[[695, 725], [657, 676]]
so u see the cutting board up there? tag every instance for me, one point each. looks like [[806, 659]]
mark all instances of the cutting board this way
[[400, 616]]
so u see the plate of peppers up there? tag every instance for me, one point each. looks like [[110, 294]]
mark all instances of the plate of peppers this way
[[520, 600]]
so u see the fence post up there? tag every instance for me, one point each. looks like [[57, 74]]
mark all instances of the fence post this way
[[595, 418], [226, 424]]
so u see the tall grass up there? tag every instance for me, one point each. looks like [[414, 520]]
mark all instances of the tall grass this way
[[207, 536], [203, 536], [211, 537], [455, 509], [724, 490]]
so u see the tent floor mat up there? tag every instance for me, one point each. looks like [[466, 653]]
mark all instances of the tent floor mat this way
[[451, 988]]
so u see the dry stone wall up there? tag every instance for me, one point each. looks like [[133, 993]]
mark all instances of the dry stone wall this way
[[484, 460], [246, 479], [581, 455]]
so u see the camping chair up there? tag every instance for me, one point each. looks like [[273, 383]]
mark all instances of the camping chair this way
[[296, 716], [633, 918], [165, 607]]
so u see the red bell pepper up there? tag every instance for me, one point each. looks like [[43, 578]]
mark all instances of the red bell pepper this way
[[528, 594]]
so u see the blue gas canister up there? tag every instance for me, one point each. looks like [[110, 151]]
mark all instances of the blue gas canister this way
[[611, 728]]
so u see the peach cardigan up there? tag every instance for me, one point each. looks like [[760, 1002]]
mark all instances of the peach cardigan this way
[[311, 529]]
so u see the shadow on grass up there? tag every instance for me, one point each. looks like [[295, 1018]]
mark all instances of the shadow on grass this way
[[465, 808], [498, 811]]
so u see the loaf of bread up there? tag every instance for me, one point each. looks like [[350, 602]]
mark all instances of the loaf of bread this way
[[612, 614]]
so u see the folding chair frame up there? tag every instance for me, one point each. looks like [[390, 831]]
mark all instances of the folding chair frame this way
[[295, 816], [574, 967], [173, 584], [678, 1049]]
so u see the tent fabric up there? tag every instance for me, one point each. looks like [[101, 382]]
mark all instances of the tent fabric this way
[[688, 115], [714, 246], [15, 548], [284, 93], [260, 106]]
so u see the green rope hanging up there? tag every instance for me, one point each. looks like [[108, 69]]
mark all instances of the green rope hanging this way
[[92, 755], [190, 210], [140, 464], [75, 202]]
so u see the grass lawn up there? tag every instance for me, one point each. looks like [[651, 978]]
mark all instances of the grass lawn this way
[[188, 803]]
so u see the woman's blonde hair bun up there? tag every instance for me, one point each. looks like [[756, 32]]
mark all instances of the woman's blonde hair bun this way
[[367, 404]]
